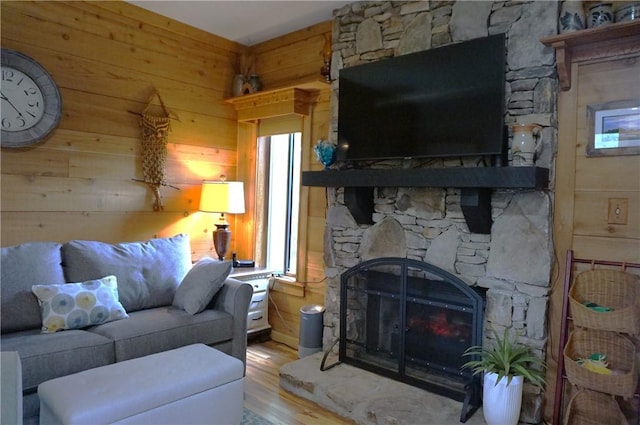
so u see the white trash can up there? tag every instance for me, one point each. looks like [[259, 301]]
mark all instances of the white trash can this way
[[311, 327]]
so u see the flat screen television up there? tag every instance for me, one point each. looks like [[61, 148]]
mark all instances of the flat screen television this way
[[442, 102]]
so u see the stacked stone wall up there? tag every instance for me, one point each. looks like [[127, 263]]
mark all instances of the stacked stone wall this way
[[515, 261]]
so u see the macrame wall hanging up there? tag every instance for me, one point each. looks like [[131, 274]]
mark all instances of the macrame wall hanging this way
[[155, 134]]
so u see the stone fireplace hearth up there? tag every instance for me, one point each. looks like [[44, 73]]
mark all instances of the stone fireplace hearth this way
[[367, 398], [514, 262]]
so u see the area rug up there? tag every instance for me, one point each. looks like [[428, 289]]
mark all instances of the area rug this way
[[250, 418]]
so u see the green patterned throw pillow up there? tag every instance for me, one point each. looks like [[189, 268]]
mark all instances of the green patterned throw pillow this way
[[78, 305]]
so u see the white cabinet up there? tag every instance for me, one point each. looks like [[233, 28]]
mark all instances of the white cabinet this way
[[258, 316]]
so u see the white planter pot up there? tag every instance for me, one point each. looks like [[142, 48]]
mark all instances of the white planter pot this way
[[501, 403]]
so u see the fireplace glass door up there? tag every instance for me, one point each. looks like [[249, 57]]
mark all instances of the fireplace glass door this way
[[411, 321], [373, 317]]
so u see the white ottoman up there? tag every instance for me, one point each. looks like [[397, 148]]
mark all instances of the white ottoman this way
[[195, 384]]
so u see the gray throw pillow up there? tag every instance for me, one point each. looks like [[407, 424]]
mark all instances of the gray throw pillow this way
[[201, 283], [21, 267], [148, 273]]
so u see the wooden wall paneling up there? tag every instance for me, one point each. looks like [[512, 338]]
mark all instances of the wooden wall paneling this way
[[122, 72], [606, 248], [111, 227], [101, 166], [35, 162], [81, 141], [316, 196], [107, 79], [317, 201], [299, 61], [300, 36], [104, 40], [563, 212], [90, 112], [91, 191], [315, 271], [615, 79], [316, 229], [285, 319], [303, 236], [293, 57], [282, 63], [601, 178], [245, 226], [163, 27], [591, 216], [44, 193], [607, 173], [197, 154], [107, 57], [194, 172], [584, 184]]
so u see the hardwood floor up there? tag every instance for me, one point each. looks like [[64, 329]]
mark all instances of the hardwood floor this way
[[264, 396]]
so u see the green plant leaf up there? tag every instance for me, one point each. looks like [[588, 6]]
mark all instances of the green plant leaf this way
[[507, 358]]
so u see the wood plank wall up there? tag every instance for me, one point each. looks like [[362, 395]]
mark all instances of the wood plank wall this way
[[297, 57], [585, 184], [106, 58], [598, 179]]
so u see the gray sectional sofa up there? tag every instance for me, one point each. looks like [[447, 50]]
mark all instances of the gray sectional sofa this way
[[162, 302]]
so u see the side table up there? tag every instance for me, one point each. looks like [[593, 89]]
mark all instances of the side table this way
[[258, 316]]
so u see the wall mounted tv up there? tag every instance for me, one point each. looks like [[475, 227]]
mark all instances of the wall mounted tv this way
[[442, 102]]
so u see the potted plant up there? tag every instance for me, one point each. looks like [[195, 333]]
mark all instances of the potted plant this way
[[506, 364]]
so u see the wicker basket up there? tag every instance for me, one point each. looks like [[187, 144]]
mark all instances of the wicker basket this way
[[592, 408], [621, 356], [610, 288]]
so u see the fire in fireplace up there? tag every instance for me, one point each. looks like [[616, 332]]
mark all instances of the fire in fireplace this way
[[412, 321]]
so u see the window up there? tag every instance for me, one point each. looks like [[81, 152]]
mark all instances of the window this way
[[279, 162]]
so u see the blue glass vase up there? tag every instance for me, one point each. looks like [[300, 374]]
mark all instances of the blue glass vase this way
[[326, 153]]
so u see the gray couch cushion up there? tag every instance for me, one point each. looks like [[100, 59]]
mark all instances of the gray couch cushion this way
[[164, 328], [200, 284], [48, 356], [148, 273], [21, 267]]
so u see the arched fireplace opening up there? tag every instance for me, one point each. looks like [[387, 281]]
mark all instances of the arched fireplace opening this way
[[412, 321]]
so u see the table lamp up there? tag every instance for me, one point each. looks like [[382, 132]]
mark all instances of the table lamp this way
[[222, 197]]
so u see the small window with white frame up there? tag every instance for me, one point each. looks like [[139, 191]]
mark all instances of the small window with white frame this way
[[278, 199]]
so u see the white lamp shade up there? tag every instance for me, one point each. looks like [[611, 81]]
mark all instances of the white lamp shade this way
[[222, 197]]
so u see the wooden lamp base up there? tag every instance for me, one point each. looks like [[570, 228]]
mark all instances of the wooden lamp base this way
[[221, 240]]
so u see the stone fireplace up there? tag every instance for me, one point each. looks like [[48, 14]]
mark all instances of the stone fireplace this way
[[513, 263]]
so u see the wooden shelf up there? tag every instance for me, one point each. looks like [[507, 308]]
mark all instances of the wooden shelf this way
[[292, 99], [594, 43]]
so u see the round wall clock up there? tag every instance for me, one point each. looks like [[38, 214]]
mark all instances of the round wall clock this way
[[31, 103]]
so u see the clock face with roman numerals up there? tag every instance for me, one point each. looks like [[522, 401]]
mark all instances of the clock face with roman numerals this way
[[30, 101]]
